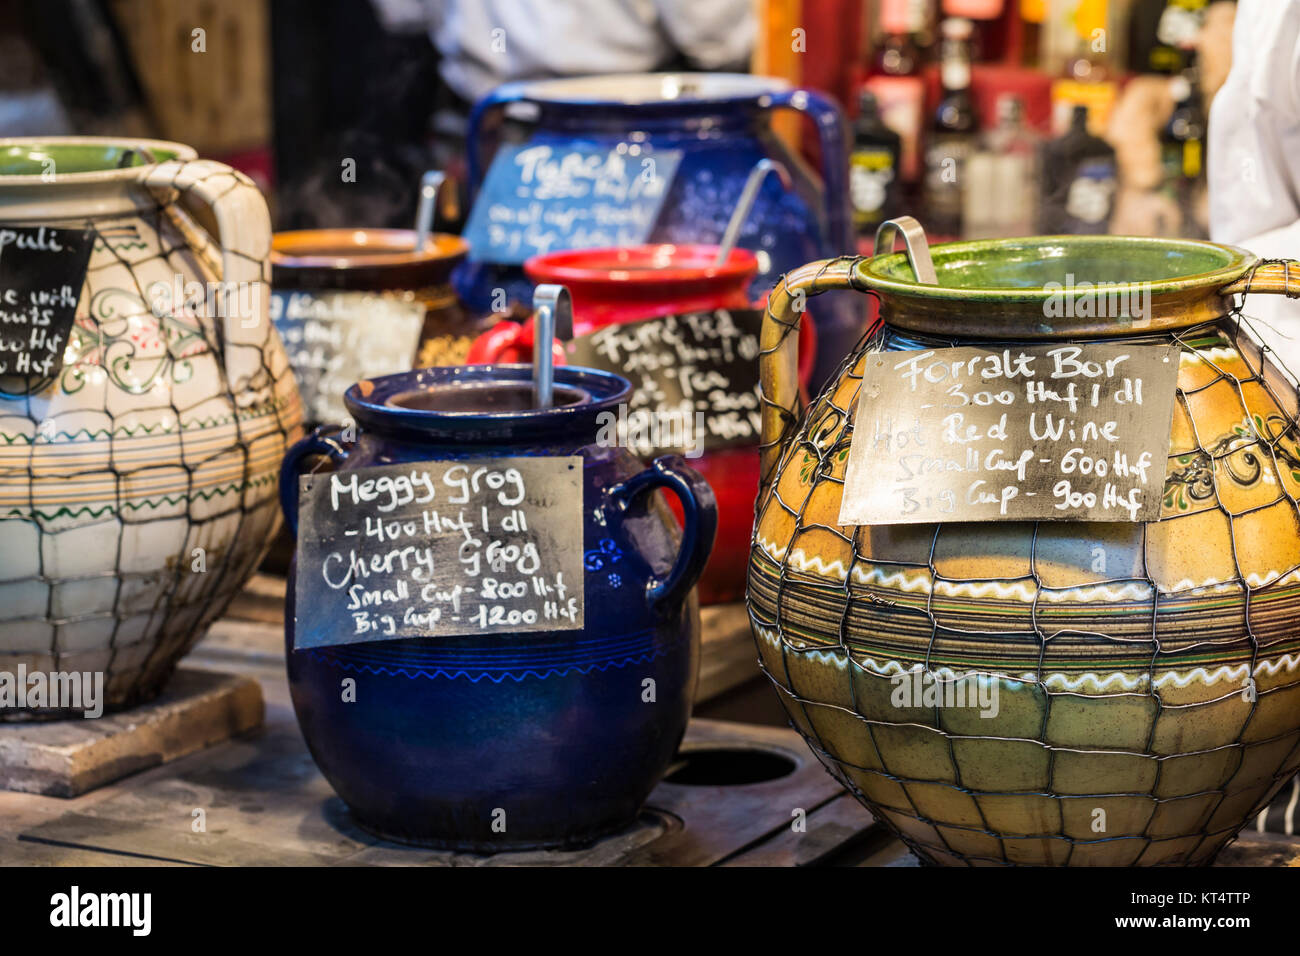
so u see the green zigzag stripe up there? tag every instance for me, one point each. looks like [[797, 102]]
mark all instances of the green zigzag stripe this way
[[135, 431], [236, 487]]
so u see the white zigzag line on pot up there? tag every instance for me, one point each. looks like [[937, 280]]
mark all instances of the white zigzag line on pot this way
[[1024, 591], [1089, 682]]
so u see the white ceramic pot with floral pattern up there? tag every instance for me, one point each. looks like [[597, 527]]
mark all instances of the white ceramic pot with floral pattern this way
[[138, 485]]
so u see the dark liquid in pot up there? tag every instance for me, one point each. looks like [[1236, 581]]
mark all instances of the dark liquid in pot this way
[[491, 397]]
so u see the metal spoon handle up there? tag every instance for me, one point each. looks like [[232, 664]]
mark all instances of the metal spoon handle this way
[[430, 185], [745, 205], [552, 319]]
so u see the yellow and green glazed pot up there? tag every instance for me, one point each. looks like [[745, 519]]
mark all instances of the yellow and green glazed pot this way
[[1148, 705]]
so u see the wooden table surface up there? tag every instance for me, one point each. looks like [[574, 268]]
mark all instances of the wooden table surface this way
[[261, 801]]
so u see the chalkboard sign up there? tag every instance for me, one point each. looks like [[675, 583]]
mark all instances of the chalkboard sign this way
[[335, 339], [987, 434], [538, 199], [485, 546], [694, 379], [41, 272]]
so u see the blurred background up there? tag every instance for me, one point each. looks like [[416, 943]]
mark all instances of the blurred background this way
[[1064, 115]]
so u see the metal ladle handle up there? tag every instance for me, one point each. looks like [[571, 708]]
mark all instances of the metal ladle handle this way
[[430, 185], [745, 205], [552, 319], [918, 247]]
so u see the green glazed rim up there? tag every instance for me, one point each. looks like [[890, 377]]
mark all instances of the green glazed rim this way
[[81, 159], [1018, 270]]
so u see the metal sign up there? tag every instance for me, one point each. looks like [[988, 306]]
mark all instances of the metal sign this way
[[481, 546], [1052, 432]]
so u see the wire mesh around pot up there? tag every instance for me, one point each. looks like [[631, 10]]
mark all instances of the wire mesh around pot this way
[[1147, 676], [137, 487]]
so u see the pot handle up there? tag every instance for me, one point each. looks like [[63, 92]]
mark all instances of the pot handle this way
[[502, 95], [778, 356], [244, 235], [1275, 276], [700, 508], [829, 120], [322, 441]]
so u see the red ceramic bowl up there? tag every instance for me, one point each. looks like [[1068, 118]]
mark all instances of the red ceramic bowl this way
[[610, 286]]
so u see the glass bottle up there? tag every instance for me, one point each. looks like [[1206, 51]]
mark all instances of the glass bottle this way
[[874, 175], [1002, 177], [1079, 177], [1182, 150], [952, 133]]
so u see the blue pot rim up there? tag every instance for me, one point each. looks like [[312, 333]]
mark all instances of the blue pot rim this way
[[746, 88], [599, 392]]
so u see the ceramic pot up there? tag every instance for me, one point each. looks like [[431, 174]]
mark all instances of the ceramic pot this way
[[137, 486], [611, 286], [552, 726], [1121, 686], [721, 123], [384, 261]]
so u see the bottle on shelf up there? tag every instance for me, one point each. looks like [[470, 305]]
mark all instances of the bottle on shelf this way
[[1182, 150], [952, 132], [1079, 181], [896, 81], [874, 181], [1162, 34], [1002, 177]]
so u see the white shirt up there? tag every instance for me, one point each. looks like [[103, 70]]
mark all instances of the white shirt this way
[[1254, 157], [487, 42]]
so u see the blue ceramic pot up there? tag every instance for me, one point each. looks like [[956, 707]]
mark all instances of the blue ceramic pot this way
[[550, 727], [722, 125]]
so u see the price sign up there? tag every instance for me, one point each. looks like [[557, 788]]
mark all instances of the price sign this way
[[41, 273], [486, 546], [538, 199], [694, 379], [1064, 432], [335, 339]]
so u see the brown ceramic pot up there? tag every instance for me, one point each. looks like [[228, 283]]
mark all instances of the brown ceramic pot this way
[[1149, 706]]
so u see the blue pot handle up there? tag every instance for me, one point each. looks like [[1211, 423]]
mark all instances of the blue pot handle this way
[[826, 115], [322, 441], [506, 93], [701, 511]]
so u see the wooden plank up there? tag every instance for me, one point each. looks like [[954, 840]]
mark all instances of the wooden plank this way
[[1261, 849], [263, 801], [217, 100], [68, 757], [840, 831]]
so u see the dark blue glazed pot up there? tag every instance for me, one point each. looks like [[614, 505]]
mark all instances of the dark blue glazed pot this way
[[552, 728], [722, 124]]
